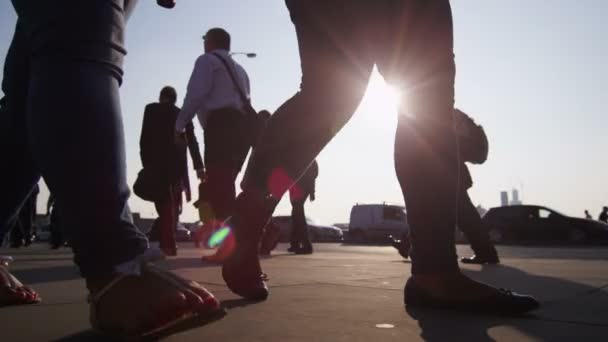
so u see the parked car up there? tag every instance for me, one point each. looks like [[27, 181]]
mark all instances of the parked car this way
[[318, 233], [532, 223], [376, 222]]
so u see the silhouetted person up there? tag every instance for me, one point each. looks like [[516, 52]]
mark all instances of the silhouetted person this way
[[604, 215], [298, 194], [588, 215], [62, 120], [340, 42], [214, 96], [166, 162]]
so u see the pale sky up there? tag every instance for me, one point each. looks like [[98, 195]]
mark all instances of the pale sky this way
[[533, 73]]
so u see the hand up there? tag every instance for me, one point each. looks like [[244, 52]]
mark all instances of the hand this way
[[180, 138], [166, 3]]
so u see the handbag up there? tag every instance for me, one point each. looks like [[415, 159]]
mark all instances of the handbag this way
[[474, 144], [146, 186]]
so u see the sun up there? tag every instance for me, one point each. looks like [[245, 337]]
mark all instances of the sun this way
[[381, 100]]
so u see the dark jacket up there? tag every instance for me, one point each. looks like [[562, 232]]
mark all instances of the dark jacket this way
[[160, 155]]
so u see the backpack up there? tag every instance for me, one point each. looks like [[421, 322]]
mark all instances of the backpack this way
[[472, 139]]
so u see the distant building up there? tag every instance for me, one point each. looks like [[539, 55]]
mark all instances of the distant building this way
[[515, 198], [481, 210], [504, 198]]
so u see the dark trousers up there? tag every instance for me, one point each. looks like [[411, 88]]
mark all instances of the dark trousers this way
[[226, 149], [58, 237], [340, 41], [163, 229], [62, 120], [299, 227], [24, 227], [471, 225]]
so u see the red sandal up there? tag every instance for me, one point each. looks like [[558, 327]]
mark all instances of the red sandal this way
[[12, 291]]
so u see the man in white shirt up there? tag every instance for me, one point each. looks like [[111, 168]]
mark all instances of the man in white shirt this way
[[216, 93]]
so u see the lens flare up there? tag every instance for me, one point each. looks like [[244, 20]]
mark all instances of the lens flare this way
[[218, 237]]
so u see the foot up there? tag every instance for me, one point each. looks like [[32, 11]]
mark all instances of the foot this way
[[457, 292], [304, 250], [401, 247], [243, 275], [480, 260], [137, 306], [12, 291]]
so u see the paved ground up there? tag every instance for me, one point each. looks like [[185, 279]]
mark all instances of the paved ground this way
[[341, 293]]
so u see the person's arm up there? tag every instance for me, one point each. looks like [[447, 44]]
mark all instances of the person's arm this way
[[145, 149], [199, 87], [314, 170], [195, 152]]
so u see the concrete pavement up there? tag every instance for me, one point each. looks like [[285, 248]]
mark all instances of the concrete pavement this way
[[340, 293]]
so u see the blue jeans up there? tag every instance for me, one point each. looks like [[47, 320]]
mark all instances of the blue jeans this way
[[61, 120]]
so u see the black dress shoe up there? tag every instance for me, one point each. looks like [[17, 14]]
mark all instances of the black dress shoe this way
[[400, 246], [292, 248], [503, 302], [480, 260], [304, 250], [244, 277]]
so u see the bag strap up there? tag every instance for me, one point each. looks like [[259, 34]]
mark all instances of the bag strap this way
[[244, 98]]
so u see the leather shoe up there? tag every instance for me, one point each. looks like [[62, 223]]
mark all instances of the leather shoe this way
[[502, 302], [244, 278], [303, 250], [480, 260]]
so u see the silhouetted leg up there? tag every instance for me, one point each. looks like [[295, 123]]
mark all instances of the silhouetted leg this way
[[335, 73], [425, 145], [224, 139], [166, 223], [26, 217], [470, 223], [19, 172], [426, 161], [222, 191], [74, 126], [299, 225]]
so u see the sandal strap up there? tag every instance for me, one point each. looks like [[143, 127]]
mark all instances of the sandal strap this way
[[5, 260]]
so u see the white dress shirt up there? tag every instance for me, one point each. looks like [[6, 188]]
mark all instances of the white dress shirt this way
[[210, 88]]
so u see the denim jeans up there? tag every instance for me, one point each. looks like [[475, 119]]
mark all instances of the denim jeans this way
[[411, 42], [61, 120]]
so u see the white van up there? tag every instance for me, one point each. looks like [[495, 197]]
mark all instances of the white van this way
[[376, 222]]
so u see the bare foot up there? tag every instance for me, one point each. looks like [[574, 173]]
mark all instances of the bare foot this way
[[12, 291], [148, 304]]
